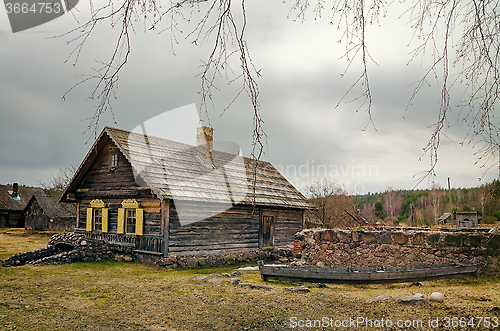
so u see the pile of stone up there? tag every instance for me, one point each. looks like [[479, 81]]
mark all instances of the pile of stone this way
[[72, 247], [282, 255]]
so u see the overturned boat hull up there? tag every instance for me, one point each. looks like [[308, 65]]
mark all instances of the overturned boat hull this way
[[360, 275]]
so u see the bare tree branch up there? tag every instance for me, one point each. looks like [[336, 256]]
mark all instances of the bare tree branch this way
[[461, 36]]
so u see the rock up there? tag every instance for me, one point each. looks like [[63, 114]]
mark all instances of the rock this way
[[203, 262], [384, 238], [191, 262], [328, 235], [200, 278], [226, 274], [321, 285], [257, 286], [400, 238], [216, 275], [382, 298], [235, 281], [182, 262], [320, 264], [368, 238], [417, 298], [83, 243], [494, 309], [216, 280], [264, 287], [300, 288], [236, 273], [128, 258], [230, 259], [163, 262], [436, 296]]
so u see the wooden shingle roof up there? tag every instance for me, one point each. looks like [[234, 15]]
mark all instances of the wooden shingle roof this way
[[173, 171], [24, 195], [52, 207]]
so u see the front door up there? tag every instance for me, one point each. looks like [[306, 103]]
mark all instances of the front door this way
[[267, 231]]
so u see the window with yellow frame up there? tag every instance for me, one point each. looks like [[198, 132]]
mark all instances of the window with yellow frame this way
[[130, 218], [97, 216]]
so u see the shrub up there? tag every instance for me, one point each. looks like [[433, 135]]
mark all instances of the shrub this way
[[489, 219]]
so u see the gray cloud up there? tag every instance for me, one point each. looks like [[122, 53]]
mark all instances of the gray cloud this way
[[300, 88]]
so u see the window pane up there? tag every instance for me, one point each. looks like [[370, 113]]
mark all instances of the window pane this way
[[130, 221], [114, 161], [98, 219]]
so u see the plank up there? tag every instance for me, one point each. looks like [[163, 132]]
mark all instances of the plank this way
[[345, 275]]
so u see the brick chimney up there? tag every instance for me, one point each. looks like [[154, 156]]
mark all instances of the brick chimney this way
[[15, 190], [205, 143]]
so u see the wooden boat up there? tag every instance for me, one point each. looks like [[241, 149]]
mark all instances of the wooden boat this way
[[359, 275]]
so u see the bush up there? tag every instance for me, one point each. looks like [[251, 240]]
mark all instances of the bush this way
[[425, 222], [496, 213], [489, 219]]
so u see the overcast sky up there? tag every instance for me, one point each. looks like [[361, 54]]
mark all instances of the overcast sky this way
[[301, 83]]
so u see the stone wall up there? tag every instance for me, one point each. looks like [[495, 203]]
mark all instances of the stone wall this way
[[399, 246], [74, 247]]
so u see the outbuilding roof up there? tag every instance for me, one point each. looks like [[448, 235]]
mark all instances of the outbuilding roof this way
[[52, 207], [174, 170], [8, 202]]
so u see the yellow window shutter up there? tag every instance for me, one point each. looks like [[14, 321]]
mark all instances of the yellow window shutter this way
[[139, 221], [89, 219], [121, 221], [105, 220]]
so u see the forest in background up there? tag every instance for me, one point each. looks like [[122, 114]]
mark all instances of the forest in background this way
[[431, 204], [335, 208]]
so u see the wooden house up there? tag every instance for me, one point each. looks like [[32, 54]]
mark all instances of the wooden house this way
[[13, 200], [46, 213], [467, 219], [446, 218], [168, 198]]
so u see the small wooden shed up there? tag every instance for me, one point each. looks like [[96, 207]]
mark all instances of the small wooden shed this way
[[168, 198], [46, 213], [467, 219]]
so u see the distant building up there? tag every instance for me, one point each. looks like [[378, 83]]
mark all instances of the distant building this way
[[445, 219], [467, 219], [13, 200], [461, 219], [47, 213]]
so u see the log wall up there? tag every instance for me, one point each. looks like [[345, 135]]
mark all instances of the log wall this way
[[236, 229]]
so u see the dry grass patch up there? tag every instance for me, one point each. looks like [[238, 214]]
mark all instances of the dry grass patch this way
[[17, 240], [130, 296]]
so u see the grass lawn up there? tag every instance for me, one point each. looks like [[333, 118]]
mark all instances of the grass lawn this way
[[131, 296], [13, 241]]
